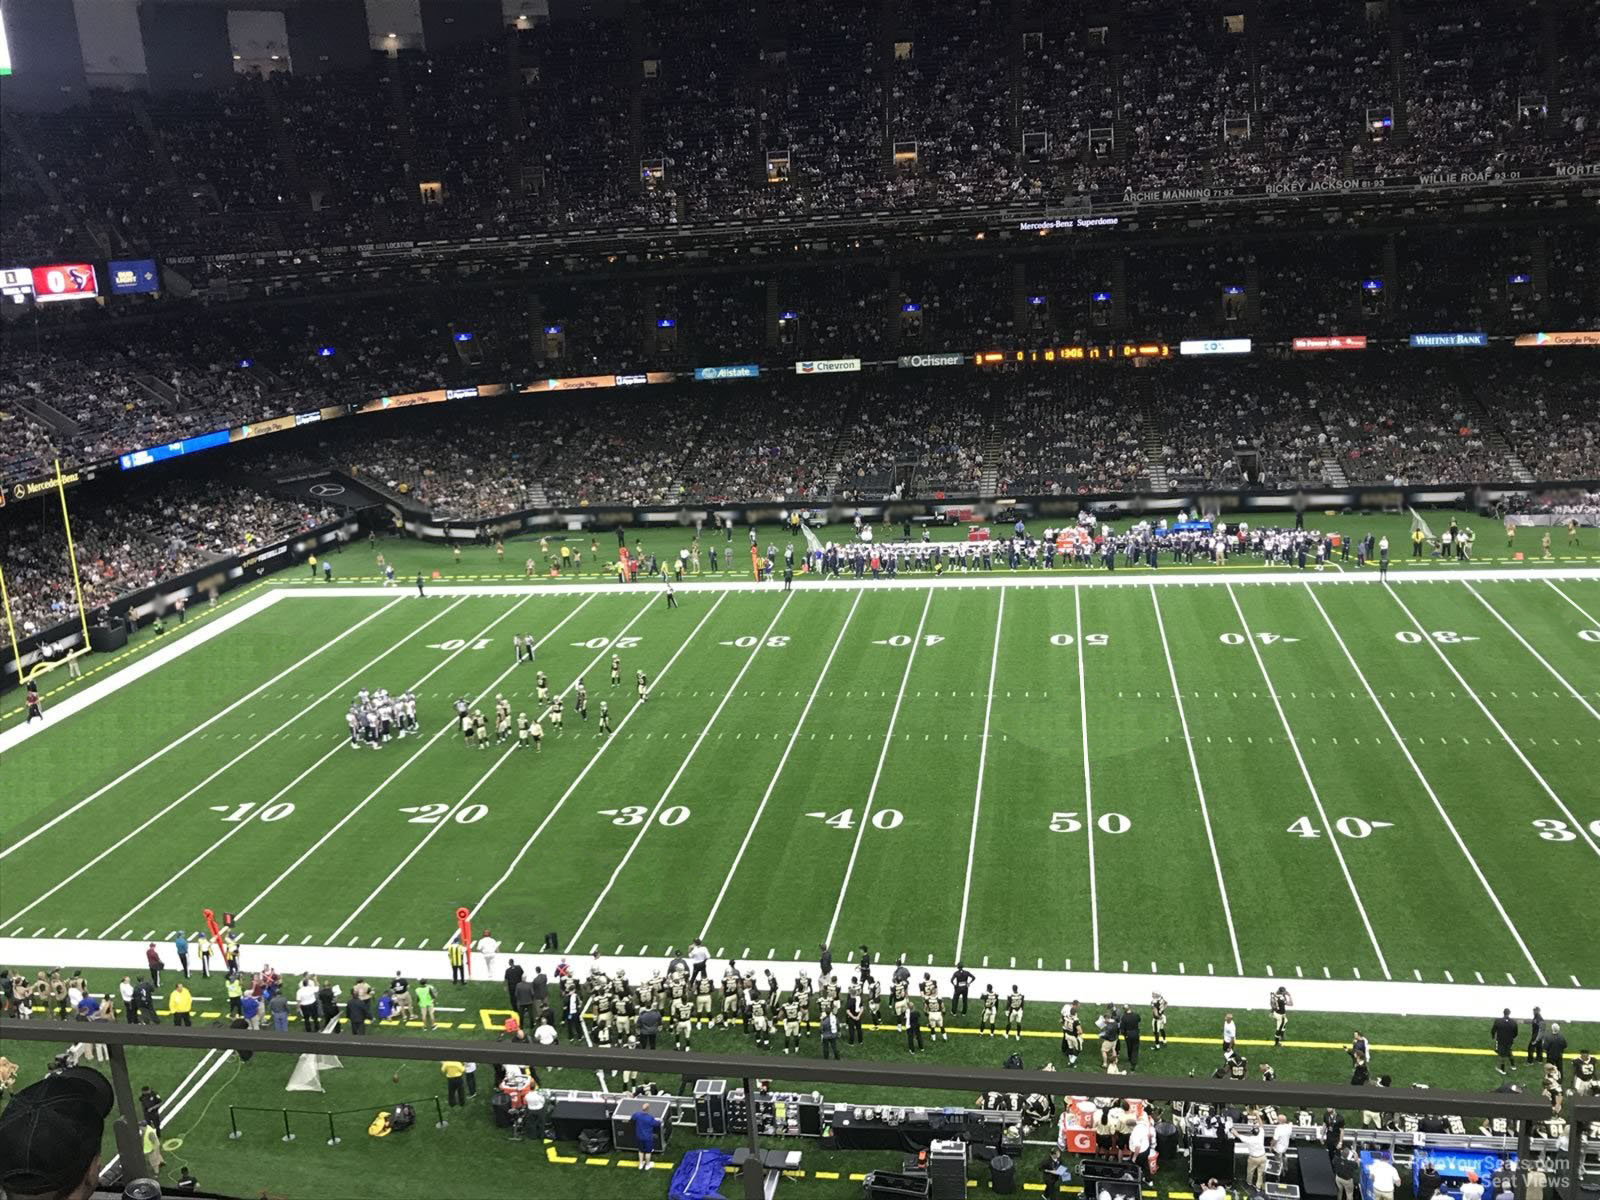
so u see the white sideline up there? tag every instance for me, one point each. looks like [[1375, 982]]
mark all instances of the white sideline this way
[[1086, 577], [120, 680], [1367, 996]]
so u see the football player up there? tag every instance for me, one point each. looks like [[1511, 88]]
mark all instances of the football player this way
[[581, 699], [1014, 1006], [605, 717], [616, 670], [556, 713]]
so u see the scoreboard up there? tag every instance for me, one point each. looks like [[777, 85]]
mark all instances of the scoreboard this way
[[58, 281]]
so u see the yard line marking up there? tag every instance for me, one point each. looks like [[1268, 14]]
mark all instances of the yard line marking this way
[[977, 797], [159, 813], [295, 782], [1578, 826], [888, 740], [390, 778], [777, 772], [131, 772], [1416, 769], [1311, 786], [1088, 790], [1199, 787], [517, 858], [1544, 662], [1550, 583], [500, 761], [677, 775]]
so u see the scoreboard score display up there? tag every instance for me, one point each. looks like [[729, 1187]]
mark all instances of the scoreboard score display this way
[[59, 281]]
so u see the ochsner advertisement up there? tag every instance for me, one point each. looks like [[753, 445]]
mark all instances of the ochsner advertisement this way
[[932, 360], [826, 366]]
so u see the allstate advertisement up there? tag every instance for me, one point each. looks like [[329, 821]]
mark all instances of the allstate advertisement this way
[[737, 371]]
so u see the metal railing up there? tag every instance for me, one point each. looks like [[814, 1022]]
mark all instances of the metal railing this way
[[235, 1133], [1520, 1110]]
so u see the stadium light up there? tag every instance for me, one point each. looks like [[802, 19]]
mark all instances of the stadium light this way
[[325, 352]]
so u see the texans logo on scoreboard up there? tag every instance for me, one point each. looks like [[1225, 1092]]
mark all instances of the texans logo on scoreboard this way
[[79, 278]]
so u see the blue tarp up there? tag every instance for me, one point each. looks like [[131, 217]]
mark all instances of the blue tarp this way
[[699, 1174]]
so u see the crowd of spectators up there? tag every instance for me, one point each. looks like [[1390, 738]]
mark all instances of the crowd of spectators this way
[[136, 541], [583, 119], [1073, 434]]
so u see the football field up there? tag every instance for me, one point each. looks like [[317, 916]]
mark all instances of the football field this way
[[1261, 775]]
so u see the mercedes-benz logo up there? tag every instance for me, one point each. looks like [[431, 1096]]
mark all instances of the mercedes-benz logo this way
[[327, 489]]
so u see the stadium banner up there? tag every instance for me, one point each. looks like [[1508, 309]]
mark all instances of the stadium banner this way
[[826, 366], [133, 276], [431, 396], [1577, 337], [27, 489], [1324, 187], [65, 281], [155, 454], [579, 382], [257, 428], [1046, 224], [1216, 346], [943, 359], [636, 379], [1337, 341], [1447, 341], [738, 371]]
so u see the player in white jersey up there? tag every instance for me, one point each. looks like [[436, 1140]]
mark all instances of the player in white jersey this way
[[352, 719], [536, 732]]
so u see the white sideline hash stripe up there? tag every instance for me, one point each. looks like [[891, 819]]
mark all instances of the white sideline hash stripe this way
[[1198, 990], [1544, 662], [115, 683]]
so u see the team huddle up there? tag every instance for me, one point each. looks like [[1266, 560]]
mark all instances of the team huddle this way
[[376, 717], [529, 731]]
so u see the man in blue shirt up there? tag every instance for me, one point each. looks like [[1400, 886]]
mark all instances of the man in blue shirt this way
[[645, 1127], [181, 945]]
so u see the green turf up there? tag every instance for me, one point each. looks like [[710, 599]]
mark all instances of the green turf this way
[[630, 842]]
